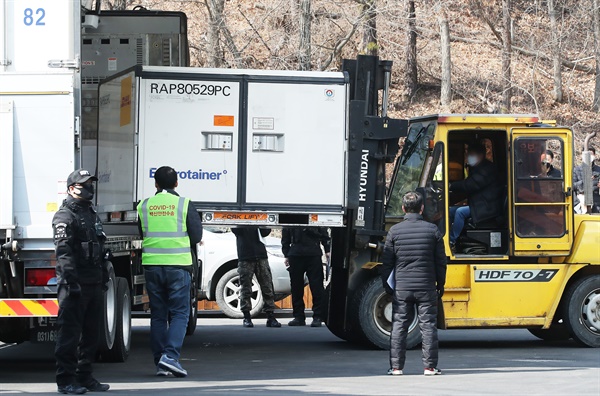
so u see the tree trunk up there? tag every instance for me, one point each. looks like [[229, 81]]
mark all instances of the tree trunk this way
[[556, 61], [305, 21], [215, 15], [506, 56], [369, 44], [446, 91], [410, 73], [596, 19]]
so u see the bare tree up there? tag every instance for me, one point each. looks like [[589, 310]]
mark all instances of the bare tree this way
[[556, 52], [596, 23], [506, 56], [219, 29], [369, 44], [446, 85], [304, 58], [410, 52]]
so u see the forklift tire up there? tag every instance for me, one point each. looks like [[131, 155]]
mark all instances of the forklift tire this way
[[193, 320], [108, 329], [122, 343], [374, 308], [556, 332], [582, 315]]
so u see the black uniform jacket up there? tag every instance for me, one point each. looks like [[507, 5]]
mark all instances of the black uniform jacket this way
[[249, 246], [484, 191], [304, 241], [79, 241], [414, 248]]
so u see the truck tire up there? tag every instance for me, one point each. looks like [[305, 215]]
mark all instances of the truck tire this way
[[122, 343], [228, 292], [108, 329], [582, 316], [374, 308], [556, 332], [193, 320]]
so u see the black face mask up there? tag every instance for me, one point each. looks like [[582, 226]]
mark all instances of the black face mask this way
[[87, 192]]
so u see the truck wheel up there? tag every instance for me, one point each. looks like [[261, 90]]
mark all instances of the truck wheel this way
[[228, 292], [582, 314], [122, 343], [556, 332], [375, 316], [109, 318], [193, 320]]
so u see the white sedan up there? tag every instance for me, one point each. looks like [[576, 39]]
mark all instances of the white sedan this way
[[219, 280]]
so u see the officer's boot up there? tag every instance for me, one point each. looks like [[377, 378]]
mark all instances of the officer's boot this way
[[247, 319], [271, 321]]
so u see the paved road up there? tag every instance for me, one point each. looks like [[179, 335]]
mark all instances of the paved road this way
[[223, 358]]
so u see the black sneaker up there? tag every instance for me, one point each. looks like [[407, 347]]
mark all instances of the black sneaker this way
[[72, 389], [248, 323], [297, 322], [316, 322], [95, 386], [272, 322]]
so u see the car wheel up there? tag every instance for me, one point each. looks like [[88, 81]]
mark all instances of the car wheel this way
[[583, 311], [228, 293]]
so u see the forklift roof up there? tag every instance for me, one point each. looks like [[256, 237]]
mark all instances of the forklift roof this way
[[479, 118]]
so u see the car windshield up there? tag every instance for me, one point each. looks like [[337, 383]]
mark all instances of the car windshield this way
[[409, 165]]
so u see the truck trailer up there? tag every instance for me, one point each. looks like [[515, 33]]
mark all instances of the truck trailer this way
[[52, 57]]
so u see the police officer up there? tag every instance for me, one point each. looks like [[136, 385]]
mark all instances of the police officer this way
[[171, 227], [302, 250], [81, 276]]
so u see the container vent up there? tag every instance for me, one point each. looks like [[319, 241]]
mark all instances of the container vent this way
[[139, 51]]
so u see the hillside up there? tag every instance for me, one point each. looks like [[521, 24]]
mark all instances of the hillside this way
[[266, 34]]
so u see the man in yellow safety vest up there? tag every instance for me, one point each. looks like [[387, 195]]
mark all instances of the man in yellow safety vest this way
[[171, 228]]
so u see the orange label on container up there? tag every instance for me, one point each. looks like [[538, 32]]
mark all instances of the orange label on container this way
[[223, 216], [224, 120]]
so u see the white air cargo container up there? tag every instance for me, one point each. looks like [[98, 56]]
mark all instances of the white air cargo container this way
[[265, 147]]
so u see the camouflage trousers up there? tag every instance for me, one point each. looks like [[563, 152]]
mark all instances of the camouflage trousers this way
[[260, 268]]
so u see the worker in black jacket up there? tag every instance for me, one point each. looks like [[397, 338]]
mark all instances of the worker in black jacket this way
[[302, 250], [81, 276], [253, 260], [483, 188], [414, 255]]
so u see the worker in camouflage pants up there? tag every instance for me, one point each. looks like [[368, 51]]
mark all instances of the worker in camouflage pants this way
[[253, 260]]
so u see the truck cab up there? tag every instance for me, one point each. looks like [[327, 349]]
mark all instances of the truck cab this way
[[535, 246]]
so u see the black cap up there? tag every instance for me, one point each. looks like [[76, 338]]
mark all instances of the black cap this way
[[80, 176]]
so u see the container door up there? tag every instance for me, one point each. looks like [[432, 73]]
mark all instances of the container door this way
[[542, 191], [296, 145]]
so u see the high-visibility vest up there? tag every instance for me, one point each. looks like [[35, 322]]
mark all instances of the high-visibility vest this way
[[163, 218]]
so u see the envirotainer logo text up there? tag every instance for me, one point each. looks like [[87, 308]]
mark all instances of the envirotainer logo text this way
[[197, 174]]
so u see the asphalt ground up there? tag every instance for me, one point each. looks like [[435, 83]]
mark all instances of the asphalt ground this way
[[223, 358]]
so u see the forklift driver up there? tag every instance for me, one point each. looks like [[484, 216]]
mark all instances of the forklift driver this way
[[483, 190]]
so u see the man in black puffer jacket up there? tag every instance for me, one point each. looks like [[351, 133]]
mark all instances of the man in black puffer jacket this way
[[414, 251], [483, 188]]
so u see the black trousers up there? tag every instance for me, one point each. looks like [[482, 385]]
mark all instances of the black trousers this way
[[79, 321], [403, 311], [313, 268]]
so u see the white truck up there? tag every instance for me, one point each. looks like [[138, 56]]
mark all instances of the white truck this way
[[42, 140]]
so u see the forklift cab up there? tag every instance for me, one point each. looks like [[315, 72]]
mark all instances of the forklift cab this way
[[533, 182]]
